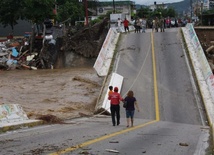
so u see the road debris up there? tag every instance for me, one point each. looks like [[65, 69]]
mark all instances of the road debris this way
[[113, 141], [84, 152], [183, 144], [50, 119], [113, 151]]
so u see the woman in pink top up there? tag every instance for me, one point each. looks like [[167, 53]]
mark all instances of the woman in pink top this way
[[115, 105]]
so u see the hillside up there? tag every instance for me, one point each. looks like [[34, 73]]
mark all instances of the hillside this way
[[180, 7]]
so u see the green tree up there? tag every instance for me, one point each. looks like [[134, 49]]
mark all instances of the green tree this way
[[143, 12], [72, 10], [38, 10], [171, 12], [10, 12], [32, 10], [159, 12]]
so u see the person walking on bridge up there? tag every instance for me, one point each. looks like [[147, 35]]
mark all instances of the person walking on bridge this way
[[115, 99], [130, 107]]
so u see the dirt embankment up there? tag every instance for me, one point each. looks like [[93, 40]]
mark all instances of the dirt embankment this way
[[206, 38], [87, 41]]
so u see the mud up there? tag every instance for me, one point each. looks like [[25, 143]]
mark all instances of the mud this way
[[64, 93]]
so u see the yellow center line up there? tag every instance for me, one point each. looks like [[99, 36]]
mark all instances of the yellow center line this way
[[72, 148], [155, 80], [101, 138]]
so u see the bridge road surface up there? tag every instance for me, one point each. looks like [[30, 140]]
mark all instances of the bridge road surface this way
[[170, 122]]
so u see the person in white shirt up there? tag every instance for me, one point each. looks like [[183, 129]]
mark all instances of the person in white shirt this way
[[119, 21]]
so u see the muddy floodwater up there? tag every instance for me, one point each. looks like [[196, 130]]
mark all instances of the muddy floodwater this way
[[64, 93]]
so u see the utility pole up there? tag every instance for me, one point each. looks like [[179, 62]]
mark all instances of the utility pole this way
[[55, 12], [197, 11], [86, 13], [202, 13], [113, 7], [191, 10]]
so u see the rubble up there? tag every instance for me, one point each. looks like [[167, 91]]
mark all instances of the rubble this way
[[16, 54], [113, 151], [45, 51], [8, 55]]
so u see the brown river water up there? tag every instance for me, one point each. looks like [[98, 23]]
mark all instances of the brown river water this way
[[64, 93]]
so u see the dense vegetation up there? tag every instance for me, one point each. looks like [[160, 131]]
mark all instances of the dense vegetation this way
[[36, 11], [159, 12]]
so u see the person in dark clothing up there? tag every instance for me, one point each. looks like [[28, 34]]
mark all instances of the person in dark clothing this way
[[137, 26], [130, 108], [162, 24], [115, 99]]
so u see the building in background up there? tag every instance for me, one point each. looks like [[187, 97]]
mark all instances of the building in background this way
[[211, 4], [122, 7], [205, 4]]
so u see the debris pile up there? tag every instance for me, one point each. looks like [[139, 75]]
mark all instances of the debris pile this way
[[50, 52], [16, 54], [50, 119]]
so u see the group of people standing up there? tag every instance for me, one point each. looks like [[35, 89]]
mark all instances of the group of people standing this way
[[158, 23], [115, 99], [139, 24]]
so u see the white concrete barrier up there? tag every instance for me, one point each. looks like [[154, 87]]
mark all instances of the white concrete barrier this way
[[116, 81], [198, 50], [106, 53], [199, 60], [203, 72], [10, 113]]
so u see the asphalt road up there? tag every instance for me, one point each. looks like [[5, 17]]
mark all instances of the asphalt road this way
[[171, 120]]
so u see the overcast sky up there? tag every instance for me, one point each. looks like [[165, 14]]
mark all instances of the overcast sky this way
[[148, 2]]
